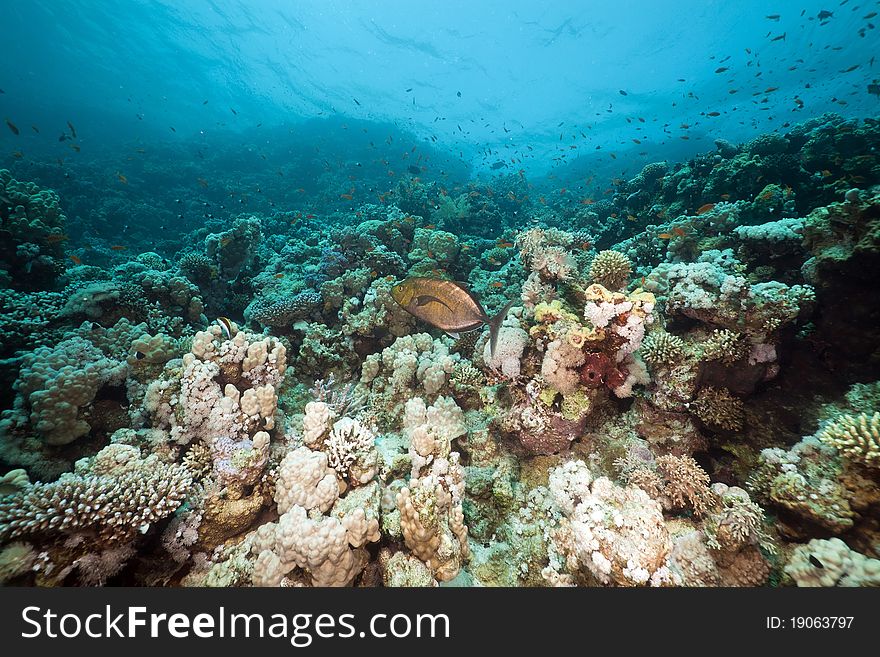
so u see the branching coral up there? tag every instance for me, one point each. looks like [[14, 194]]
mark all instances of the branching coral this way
[[725, 346], [661, 348], [685, 483], [716, 407], [855, 436], [611, 269], [116, 494]]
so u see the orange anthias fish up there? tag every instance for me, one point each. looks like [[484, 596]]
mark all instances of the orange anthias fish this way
[[665, 236], [122, 178], [75, 260], [54, 238], [703, 209], [118, 247], [447, 306]]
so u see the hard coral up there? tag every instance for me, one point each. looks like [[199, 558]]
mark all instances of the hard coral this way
[[611, 269], [855, 436]]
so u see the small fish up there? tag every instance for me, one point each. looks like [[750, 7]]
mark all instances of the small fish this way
[[118, 247], [202, 182], [72, 129], [54, 238], [871, 15], [772, 17], [458, 93], [226, 326], [851, 68], [233, 111], [665, 236], [347, 197], [622, 93], [781, 37], [281, 275], [75, 147], [122, 178], [826, 173], [703, 209], [816, 562], [721, 69], [12, 127], [825, 15], [75, 260], [172, 128], [448, 306], [35, 129], [679, 231], [713, 113]]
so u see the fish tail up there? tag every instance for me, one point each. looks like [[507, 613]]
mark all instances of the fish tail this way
[[495, 325]]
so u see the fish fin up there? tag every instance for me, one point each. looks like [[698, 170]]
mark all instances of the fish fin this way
[[495, 325], [453, 335], [425, 299]]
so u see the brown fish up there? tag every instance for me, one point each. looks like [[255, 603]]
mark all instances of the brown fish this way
[[447, 306]]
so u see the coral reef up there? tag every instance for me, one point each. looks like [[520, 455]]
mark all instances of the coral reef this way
[[684, 393]]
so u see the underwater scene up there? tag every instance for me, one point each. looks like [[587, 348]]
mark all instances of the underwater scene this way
[[416, 294]]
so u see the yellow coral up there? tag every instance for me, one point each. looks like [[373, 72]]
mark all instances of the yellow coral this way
[[579, 335], [548, 313], [548, 396]]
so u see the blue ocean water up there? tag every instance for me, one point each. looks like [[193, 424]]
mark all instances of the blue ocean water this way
[[243, 241], [518, 82]]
